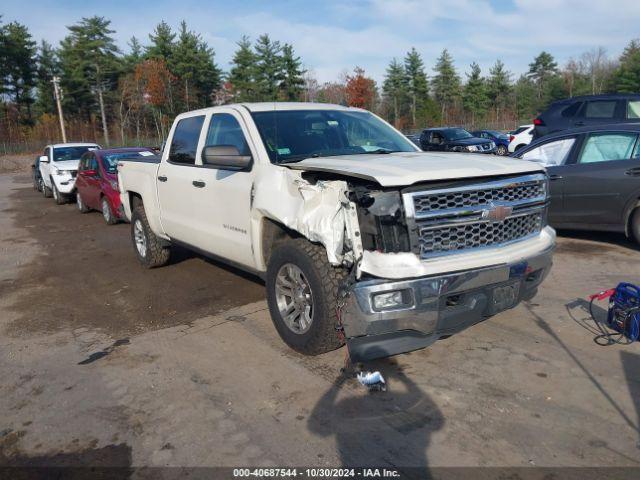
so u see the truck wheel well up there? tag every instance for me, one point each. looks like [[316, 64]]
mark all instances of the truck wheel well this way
[[134, 200], [274, 233]]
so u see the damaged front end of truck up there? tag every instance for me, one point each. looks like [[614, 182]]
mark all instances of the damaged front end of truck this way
[[428, 259]]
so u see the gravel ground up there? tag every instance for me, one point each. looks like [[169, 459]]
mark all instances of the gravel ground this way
[[107, 364]]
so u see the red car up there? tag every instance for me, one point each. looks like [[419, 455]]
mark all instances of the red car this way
[[97, 181]]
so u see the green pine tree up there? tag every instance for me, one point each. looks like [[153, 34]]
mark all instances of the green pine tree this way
[[90, 68], [499, 87], [292, 71], [445, 83], [417, 83], [18, 72], [268, 68], [541, 70], [474, 95], [395, 89], [627, 76], [241, 75], [47, 68], [134, 57], [162, 43]]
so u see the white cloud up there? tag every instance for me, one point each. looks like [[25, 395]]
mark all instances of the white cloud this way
[[335, 36]]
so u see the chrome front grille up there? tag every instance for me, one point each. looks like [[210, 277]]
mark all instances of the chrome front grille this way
[[459, 219], [430, 202], [478, 234]]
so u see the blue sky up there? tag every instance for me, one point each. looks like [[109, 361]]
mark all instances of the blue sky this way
[[333, 36]]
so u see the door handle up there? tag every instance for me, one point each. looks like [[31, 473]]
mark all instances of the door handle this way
[[555, 177], [198, 183], [162, 178], [633, 172]]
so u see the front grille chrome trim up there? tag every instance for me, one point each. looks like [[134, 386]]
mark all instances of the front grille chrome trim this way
[[529, 197]]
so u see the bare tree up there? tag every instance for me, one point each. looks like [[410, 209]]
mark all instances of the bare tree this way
[[595, 64]]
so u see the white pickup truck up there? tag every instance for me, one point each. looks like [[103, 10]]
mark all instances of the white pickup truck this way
[[358, 234]]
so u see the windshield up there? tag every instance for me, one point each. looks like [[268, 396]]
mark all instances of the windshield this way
[[293, 135], [456, 134], [110, 161], [62, 154]]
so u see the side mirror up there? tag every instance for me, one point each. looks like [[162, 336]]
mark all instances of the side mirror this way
[[225, 157], [44, 159]]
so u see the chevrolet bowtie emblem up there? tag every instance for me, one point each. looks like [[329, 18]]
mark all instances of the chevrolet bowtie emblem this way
[[496, 213]]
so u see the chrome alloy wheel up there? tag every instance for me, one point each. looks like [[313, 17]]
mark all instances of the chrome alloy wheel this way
[[140, 239], [294, 298]]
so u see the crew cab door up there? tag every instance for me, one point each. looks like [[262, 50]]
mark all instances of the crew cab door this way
[[222, 198], [174, 181], [605, 173]]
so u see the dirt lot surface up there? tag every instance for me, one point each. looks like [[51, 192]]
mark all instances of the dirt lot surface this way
[[17, 163], [104, 363]]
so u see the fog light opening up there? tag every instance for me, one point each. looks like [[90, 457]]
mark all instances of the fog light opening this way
[[391, 300]]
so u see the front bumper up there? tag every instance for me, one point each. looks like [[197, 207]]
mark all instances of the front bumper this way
[[65, 184], [437, 306]]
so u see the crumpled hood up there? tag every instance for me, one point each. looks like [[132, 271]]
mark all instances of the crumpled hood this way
[[406, 168], [67, 165]]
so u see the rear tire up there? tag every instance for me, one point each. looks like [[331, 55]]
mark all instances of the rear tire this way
[[635, 224], [107, 213], [149, 248], [320, 281]]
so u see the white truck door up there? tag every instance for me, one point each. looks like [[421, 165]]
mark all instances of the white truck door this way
[[176, 174], [223, 197]]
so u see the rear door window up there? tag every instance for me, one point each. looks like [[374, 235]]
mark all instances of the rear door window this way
[[605, 147], [633, 109], [601, 109], [184, 143], [551, 154]]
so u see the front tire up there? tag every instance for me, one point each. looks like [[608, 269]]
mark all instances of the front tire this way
[[46, 191], [302, 287], [57, 196], [501, 150], [150, 249], [107, 213]]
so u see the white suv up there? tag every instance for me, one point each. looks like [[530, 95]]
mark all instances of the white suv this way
[[520, 137], [59, 166]]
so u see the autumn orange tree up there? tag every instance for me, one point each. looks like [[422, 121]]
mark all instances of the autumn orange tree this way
[[156, 84], [360, 90]]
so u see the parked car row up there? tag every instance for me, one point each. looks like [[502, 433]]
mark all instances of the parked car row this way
[[84, 171]]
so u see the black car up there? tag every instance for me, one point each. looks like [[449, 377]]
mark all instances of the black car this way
[[594, 177], [586, 111], [36, 176], [454, 139]]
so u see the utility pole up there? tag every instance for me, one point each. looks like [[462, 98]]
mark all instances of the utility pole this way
[[56, 91], [105, 128]]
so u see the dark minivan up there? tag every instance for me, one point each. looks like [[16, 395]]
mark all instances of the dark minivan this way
[[594, 175], [586, 111]]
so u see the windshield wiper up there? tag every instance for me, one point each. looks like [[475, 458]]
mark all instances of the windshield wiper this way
[[379, 150]]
